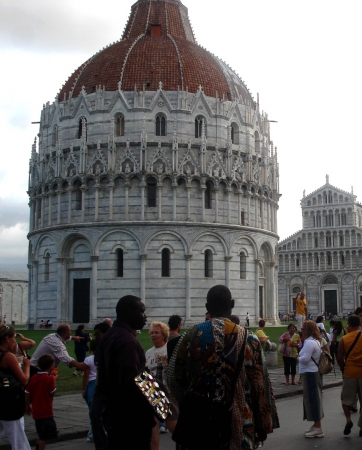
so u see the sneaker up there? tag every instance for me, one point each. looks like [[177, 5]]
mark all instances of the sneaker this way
[[310, 429], [163, 429], [74, 374], [316, 433], [89, 439], [353, 409]]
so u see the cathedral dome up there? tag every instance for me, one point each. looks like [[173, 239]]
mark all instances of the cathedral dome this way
[[158, 45]]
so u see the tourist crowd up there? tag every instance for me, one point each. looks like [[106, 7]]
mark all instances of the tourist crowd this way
[[214, 375]]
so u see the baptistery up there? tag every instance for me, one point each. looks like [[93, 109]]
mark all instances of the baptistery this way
[[154, 175]]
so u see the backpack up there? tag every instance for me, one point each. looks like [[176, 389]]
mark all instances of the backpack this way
[[325, 364], [12, 395]]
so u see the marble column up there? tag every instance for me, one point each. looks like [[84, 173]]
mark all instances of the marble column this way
[[188, 191], [62, 313], [188, 286], [227, 191], [59, 193], [257, 300], [94, 298], [174, 201], [159, 192], [216, 191], [70, 190], [262, 213], [227, 270], [248, 211], [111, 189], [127, 186], [143, 257], [83, 189], [97, 188], [203, 189], [239, 193], [50, 201], [143, 189]]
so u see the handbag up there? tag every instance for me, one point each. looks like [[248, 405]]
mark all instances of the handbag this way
[[154, 395], [11, 394], [204, 423], [281, 348]]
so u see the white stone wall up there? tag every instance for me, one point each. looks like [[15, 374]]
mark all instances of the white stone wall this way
[[14, 301], [114, 212]]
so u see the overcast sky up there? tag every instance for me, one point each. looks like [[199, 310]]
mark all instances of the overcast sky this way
[[302, 57]]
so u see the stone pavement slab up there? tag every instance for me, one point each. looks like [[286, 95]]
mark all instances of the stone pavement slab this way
[[71, 411]]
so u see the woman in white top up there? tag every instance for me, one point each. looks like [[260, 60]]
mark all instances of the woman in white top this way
[[156, 361], [311, 378], [320, 324]]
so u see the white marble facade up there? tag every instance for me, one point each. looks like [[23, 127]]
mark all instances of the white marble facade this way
[[161, 215], [324, 259], [14, 296]]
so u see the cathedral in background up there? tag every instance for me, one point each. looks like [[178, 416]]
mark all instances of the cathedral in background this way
[[324, 259], [154, 175]]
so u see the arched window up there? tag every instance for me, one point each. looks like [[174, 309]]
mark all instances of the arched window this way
[[242, 218], [329, 259], [242, 266], [166, 259], [342, 260], [46, 267], [120, 126], [341, 240], [344, 218], [208, 195], [317, 261], [199, 122], [208, 264], [82, 126], [78, 195], [151, 193], [296, 290], [119, 254], [315, 242], [160, 126], [234, 133], [55, 135]]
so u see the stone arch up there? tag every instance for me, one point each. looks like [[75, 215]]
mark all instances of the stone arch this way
[[210, 233], [157, 233], [69, 243], [104, 236]]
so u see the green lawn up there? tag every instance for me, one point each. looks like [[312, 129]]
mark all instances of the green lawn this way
[[68, 382]]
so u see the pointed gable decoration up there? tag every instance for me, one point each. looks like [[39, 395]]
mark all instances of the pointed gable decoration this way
[[127, 162], [216, 167], [159, 157]]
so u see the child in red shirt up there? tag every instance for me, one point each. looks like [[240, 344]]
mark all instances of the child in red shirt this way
[[39, 395]]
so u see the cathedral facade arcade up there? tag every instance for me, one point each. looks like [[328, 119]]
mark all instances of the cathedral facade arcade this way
[[324, 259], [154, 175]]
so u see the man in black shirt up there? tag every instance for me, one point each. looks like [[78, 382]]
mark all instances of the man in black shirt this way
[[129, 417]]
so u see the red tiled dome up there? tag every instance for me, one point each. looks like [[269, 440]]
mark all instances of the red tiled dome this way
[[157, 45]]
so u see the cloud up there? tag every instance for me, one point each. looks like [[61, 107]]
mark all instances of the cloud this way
[[13, 212], [14, 246], [56, 26]]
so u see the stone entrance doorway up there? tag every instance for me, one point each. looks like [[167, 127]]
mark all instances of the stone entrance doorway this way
[[330, 301], [81, 300]]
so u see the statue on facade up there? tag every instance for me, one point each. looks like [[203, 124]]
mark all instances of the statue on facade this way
[[127, 169], [216, 172], [159, 169]]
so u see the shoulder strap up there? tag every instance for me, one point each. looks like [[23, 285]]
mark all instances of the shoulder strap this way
[[351, 347]]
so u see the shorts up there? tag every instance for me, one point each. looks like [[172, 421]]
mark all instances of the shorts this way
[[351, 386], [46, 428], [300, 319]]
